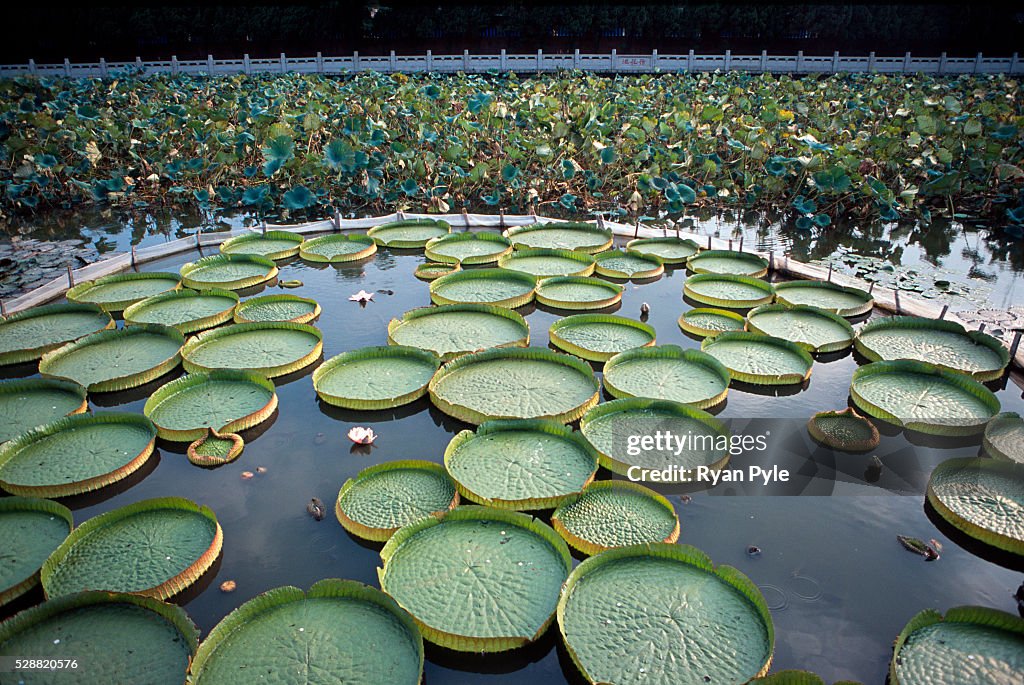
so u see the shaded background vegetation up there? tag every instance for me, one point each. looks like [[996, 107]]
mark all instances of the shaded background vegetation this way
[[119, 29]]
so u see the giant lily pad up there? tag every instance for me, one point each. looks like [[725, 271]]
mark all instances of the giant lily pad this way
[[337, 248], [340, 631], [409, 233], [290, 308], [375, 377], [984, 498], [544, 263], [383, 498], [478, 579], [272, 244], [617, 430], [838, 299], [844, 430], [728, 291], [598, 337], [453, 330], [667, 372], [568, 235], [970, 644], [716, 617], [28, 335], [115, 293], [270, 348], [669, 250], [520, 464], [728, 262], [116, 359], [36, 401], [116, 638], [942, 343], [31, 529], [578, 292], [228, 272], [515, 383], [156, 547], [923, 397], [76, 454], [703, 322], [612, 513], [1004, 437], [814, 329], [627, 264], [215, 449], [760, 359], [500, 287], [468, 248], [429, 271], [223, 399], [187, 310]]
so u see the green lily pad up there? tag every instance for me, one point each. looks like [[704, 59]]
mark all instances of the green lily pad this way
[[340, 631], [31, 529], [667, 372], [515, 383], [215, 449], [409, 234], [500, 287], [468, 248], [29, 403], [338, 248], [728, 262], [289, 308], [581, 237], [383, 498], [1004, 437], [544, 263], [669, 250], [224, 399], [156, 548], [613, 513], [728, 291], [703, 322], [187, 310], [28, 335], [272, 244], [984, 498], [430, 271], [627, 264], [578, 292], [717, 617], [453, 330], [599, 337], [814, 329], [760, 359], [76, 454], [375, 377], [478, 579], [844, 430], [228, 272], [520, 464], [838, 299], [270, 348], [115, 293]]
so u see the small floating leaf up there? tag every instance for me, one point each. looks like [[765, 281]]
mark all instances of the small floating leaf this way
[[844, 430]]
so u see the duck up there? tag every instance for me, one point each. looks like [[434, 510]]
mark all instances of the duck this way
[[316, 509]]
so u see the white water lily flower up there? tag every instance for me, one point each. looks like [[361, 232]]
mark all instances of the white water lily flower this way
[[361, 435], [361, 296]]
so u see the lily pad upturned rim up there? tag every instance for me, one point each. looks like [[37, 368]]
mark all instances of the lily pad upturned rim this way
[[761, 264], [486, 236], [759, 338], [686, 554], [438, 310], [470, 512], [290, 236], [1011, 470], [308, 317], [848, 414], [307, 250], [32, 353], [960, 380], [688, 326], [491, 273], [206, 337], [810, 309], [199, 378], [552, 428], [9, 448], [429, 271], [531, 353], [237, 284], [379, 352], [118, 383], [657, 265], [170, 587], [848, 312], [641, 244], [615, 290], [30, 384], [767, 288], [988, 442], [237, 445], [591, 548], [555, 333], [32, 504], [674, 352], [924, 324], [383, 534], [603, 238], [403, 244], [75, 293], [329, 588], [585, 260], [979, 615], [185, 327]]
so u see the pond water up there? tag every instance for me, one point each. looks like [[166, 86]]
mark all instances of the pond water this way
[[839, 584]]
